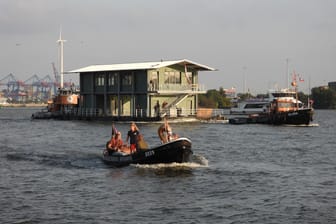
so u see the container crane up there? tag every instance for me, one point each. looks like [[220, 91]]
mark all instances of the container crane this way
[[57, 77], [33, 87], [14, 90]]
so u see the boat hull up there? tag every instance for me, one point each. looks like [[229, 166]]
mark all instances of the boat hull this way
[[42, 115], [178, 151], [261, 118], [297, 117]]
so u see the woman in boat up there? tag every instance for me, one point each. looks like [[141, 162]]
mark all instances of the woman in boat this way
[[165, 132], [132, 135], [115, 144]]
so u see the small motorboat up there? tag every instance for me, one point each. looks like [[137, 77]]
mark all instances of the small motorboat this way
[[178, 151]]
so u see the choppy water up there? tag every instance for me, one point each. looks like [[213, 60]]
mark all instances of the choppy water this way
[[51, 172]]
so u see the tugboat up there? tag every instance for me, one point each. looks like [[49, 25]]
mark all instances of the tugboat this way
[[65, 101], [287, 109], [178, 151], [281, 107]]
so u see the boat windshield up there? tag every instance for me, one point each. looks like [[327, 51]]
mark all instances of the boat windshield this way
[[65, 92], [286, 105], [283, 94]]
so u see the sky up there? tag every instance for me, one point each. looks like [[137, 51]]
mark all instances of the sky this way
[[251, 43]]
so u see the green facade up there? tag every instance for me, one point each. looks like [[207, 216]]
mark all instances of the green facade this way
[[135, 93]]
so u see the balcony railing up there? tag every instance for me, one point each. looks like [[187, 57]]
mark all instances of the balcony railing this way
[[177, 87], [141, 114]]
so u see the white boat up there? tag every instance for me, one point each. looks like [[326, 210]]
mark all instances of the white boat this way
[[259, 106], [251, 106]]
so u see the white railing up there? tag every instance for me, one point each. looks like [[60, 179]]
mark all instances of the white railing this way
[[177, 87], [138, 113], [89, 112]]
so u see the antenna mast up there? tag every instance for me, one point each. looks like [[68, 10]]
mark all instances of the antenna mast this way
[[61, 43], [287, 73]]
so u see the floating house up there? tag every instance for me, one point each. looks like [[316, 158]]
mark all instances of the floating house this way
[[140, 91]]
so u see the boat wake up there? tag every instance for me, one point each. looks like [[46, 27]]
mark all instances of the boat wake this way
[[201, 160], [303, 125], [197, 161]]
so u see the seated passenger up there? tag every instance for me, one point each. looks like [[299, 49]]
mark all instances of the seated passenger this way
[[115, 144], [165, 132]]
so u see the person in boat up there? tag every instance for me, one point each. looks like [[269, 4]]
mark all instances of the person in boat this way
[[165, 132], [132, 136], [115, 144]]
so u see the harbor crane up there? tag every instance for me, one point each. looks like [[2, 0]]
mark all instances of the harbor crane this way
[[14, 89]]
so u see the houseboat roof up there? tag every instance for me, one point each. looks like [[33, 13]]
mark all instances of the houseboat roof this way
[[143, 66]]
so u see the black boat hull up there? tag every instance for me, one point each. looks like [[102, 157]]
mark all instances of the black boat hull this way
[[178, 151], [298, 117]]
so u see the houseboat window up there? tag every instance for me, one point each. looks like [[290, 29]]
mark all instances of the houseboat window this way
[[112, 79], [127, 80], [100, 80], [172, 77]]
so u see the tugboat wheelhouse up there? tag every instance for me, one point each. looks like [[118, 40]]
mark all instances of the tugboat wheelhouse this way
[[148, 90]]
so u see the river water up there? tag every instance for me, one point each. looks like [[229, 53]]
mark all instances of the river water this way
[[51, 172]]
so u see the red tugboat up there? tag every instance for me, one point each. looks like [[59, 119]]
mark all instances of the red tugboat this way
[[65, 101], [287, 109]]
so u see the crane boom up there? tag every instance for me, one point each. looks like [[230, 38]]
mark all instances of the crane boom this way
[[55, 73]]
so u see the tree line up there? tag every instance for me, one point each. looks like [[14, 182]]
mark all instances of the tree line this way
[[322, 98]]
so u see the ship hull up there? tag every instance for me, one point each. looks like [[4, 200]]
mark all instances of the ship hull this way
[[297, 117]]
